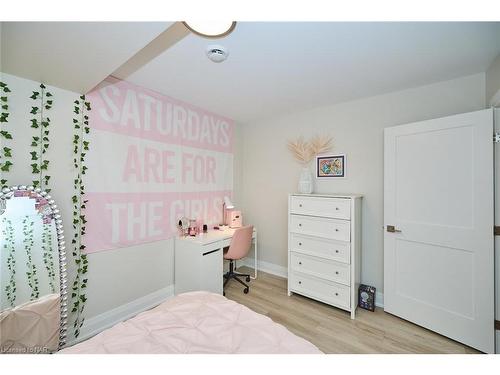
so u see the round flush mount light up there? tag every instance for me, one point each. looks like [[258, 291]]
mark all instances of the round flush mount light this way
[[217, 53], [210, 29]]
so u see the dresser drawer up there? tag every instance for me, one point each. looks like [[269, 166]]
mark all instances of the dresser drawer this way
[[321, 247], [323, 227], [319, 267], [338, 208], [324, 290]]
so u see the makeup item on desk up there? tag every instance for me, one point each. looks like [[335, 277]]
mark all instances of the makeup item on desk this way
[[205, 228], [183, 226], [193, 228]]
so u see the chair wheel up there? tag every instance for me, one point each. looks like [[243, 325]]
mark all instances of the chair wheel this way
[[248, 279], [223, 293], [245, 290]]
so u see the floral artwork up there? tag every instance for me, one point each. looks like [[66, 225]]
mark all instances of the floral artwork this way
[[330, 166]]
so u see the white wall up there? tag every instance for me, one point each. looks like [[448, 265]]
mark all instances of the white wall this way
[[115, 277], [493, 79], [269, 173]]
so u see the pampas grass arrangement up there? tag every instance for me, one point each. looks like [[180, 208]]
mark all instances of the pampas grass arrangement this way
[[304, 151]]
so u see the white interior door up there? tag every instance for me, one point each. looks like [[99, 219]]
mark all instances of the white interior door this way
[[438, 195]]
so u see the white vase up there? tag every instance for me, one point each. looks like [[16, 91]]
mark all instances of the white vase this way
[[306, 181]]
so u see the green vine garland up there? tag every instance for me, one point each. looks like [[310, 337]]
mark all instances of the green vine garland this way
[[9, 248], [40, 141], [28, 246], [48, 256], [80, 149], [5, 152]]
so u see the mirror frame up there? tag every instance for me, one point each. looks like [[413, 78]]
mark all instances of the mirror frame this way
[[7, 193]]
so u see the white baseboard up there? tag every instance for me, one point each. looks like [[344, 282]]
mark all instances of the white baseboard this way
[[281, 271], [96, 324], [267, 267], [379, 299]]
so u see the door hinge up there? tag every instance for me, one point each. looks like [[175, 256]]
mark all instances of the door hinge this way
[[497, 325], [496, 231], [496, 137]]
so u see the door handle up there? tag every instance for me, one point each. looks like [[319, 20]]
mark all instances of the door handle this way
[[392, 229]]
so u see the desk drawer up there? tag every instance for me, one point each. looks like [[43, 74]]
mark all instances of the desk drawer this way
[[324, 290], [321, 247], [338, 208], [319, 267], [323, 227]]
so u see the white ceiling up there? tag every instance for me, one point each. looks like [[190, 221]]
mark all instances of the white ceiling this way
[[274, 68], [72, 55]]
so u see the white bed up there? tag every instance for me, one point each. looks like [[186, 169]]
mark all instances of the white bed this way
[[196, 322]]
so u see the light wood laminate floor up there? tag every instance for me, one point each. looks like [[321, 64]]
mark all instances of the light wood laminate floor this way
[[332, 329]]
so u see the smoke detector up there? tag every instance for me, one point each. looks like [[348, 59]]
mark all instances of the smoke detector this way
[[217, 53]]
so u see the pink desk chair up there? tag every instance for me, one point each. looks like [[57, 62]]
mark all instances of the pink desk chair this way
[[238, 249]]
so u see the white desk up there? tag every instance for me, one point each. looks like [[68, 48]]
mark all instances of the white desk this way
[[199, 260]]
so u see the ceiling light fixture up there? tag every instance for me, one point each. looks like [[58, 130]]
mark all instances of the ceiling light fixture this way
[[210, 29]]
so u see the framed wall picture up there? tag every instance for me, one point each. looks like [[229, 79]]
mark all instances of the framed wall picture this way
[[331, 166]]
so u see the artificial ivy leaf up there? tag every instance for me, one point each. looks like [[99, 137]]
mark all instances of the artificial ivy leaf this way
[[34, 95], [2, 84], [7, 152], [34, 155], [34, 110], [5, 134], [42, 86], [5, 107], [6, 166], [3, 182], [6, 89], [47, 106], [48, 94], [3, 98]]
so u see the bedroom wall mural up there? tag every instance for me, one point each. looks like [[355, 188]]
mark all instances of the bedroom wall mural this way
[[154, 159]]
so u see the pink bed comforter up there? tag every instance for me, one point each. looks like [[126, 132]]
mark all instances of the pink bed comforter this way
[[196, 322]]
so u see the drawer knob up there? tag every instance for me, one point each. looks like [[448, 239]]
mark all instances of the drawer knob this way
[[336, 272], [300, 224], [336, 229], [300, 263], [300, 243], [336, 251], [336, 294], [300, 282], [300, 205], [336, 208]]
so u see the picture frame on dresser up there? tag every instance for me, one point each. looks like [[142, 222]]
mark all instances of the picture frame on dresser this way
[[331, 166], [324, 248]]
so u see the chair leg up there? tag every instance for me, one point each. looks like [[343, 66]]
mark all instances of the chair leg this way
[[241, 282], [234, 275], [241, 274]]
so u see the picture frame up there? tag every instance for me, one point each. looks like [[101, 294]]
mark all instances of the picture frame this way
[[331, 166]]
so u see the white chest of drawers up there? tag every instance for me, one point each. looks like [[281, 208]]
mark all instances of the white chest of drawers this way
[[324, 248]]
